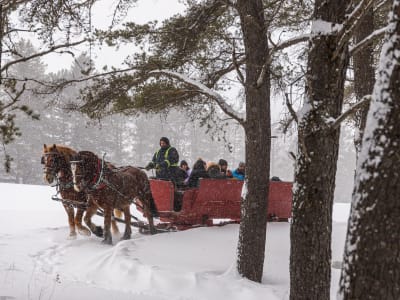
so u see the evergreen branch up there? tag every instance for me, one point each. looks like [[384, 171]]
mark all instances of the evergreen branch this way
[[203, 89], [14, 99]]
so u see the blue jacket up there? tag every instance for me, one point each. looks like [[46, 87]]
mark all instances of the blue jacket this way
[[238, 174]]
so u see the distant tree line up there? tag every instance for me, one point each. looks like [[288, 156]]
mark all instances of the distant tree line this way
[[190, 60]]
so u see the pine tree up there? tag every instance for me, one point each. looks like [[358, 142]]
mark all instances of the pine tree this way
[[371, 266]]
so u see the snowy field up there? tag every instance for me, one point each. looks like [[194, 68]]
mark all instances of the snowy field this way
[[37, 261]]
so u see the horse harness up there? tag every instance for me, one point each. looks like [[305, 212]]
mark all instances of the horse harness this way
[[100, 181]]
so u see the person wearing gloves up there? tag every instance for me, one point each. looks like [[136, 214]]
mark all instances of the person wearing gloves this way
[[165, 161]]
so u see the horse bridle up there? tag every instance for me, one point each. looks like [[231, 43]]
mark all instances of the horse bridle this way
[[97, 179], [55, 165]]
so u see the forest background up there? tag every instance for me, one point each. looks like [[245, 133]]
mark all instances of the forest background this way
[[132, 140]]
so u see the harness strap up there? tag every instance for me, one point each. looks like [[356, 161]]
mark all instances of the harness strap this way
[[98, 178]]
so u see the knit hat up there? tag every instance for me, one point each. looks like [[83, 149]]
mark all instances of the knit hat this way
[[164, 139], [222, 162]]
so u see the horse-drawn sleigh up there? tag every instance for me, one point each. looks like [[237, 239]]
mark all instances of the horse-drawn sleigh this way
[[88, 183]]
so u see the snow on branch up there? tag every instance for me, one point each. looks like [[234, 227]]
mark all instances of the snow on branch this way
[[364, 101], [351, 23], [203, 89], [291, 42], [367, 40]]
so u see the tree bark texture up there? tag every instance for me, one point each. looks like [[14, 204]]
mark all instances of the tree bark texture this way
[[364, 73], [310, 256], [251, 246], [371, 265]]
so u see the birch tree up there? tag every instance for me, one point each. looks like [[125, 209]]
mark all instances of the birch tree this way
[[371, 265]]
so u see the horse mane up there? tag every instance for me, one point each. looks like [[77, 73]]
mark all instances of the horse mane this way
[[64, 150]]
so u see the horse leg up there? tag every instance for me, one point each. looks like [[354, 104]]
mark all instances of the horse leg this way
[[107, 225], [83, 230], [127, 218], [70, 212], [149, 215], [90, 211], [114, 226]]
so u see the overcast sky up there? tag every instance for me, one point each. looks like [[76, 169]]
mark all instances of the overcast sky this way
[[142, 12]]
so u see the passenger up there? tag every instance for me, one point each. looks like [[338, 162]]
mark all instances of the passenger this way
[[165, 161], [223, 164], [275, 178], [199, 171], [185, 167], [240, 172], [213, 170]]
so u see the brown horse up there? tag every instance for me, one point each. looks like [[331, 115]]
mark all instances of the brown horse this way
[[56, 167], [111, 188], [56, 160]]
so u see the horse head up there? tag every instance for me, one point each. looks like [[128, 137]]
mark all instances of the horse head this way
[[85, 168], [54, 162]]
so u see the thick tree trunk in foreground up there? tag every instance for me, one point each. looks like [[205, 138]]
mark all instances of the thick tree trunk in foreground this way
[[251, 247], [310, 257], [364, 74], [371, 267]]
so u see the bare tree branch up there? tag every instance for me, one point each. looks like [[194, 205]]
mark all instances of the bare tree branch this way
[[291, 42], [366, 41], [365, 100], [50, 50], [351, 23]]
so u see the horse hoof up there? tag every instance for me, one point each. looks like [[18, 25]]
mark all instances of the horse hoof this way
[[107, 241], [126, 237], [98, 231], [72, 236], [84, 231]]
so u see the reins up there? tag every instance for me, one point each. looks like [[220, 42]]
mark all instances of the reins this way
[[100, 179], [99, 173]]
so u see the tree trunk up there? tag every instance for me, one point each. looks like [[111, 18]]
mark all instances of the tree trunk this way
[[371, 268], [251, 247], [364, 74], [310, 257]]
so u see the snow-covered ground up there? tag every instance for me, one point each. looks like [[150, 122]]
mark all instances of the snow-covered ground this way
[[37, 261]]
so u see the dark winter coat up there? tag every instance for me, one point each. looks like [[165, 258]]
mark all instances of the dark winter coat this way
[[165, 161], [198, 171]]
